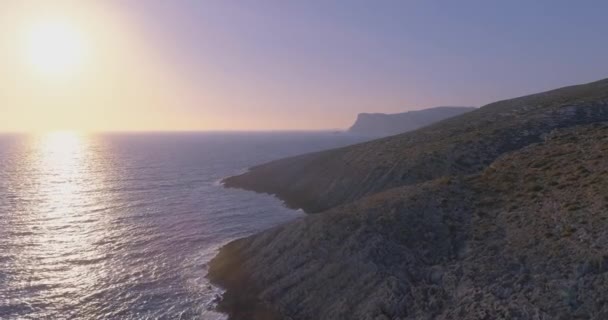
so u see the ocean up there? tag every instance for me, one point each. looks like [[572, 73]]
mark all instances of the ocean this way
[[122, 226]]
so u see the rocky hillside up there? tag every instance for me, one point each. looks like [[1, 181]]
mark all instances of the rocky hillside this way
[[500, 213], [381, 124], [523, 238], [463, 144]]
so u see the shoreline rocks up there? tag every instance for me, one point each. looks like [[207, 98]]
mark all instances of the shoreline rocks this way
[[499, 213]]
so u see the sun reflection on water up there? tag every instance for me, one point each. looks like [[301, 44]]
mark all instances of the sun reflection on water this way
[[61, 165], [64, 245], [122, 226]]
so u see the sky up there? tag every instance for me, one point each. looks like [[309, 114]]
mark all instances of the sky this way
[[186, 65]]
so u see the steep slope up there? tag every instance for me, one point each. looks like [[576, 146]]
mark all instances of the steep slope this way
[[523, 239], [460, 145], [381, 124]]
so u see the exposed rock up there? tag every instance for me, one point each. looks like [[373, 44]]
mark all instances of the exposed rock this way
[[524, 239], [460, 145], [500, 213], [382, 124]]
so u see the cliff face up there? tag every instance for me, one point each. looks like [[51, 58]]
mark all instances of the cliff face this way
[[500, 213], [522, 239], [460, 145], [380, 124], [352, 262]]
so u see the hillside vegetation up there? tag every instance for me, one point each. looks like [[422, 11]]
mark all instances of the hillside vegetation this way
[[461, 145], [502, 217]]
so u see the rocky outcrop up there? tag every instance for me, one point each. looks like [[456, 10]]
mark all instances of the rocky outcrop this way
[[382, 124], [500, 213], [354, 262], [523, 238], [460, 145]]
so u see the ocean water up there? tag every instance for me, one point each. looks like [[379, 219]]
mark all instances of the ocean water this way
[[122, 226]]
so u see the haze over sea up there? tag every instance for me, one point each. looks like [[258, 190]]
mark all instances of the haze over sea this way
[[123, 225]]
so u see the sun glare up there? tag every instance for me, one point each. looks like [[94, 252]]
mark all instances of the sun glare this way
[[55, 48]]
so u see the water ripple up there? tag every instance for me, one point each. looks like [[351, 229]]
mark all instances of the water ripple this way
[[123, 226]]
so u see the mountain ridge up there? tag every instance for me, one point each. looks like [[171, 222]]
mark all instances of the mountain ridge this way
[[382, 124], [459, 145], [498, 213]]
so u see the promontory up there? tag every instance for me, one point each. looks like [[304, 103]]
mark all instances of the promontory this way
[[498, 213]]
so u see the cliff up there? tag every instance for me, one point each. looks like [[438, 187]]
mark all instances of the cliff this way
[[523, 239], [463, 144], [381, 124], [499, 213]]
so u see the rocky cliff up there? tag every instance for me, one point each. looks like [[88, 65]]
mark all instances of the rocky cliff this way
[[381, 124], [500, 213], [460, 145]]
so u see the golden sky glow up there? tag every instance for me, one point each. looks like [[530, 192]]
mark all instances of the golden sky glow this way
[[55, 48], [75, 65], [161, 65], [155, 65]]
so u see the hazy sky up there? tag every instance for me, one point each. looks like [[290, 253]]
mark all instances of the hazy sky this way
[[211, 65]]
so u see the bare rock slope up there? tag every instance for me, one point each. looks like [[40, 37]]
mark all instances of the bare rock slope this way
[[382, 124], [456, 226], [460, 145]]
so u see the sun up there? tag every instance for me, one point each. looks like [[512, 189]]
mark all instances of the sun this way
[[55, 48]]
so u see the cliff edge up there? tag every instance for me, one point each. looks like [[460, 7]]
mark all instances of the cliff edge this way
[[382, 124], [463, 144], [498, 213]]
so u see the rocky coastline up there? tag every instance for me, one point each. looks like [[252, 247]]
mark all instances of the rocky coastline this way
[[499, 213]]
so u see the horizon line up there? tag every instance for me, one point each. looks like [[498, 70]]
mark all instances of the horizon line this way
[[25, 132]]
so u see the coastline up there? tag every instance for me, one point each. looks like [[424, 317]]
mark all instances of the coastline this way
[[451, 248], [239, 300], [480, 214]]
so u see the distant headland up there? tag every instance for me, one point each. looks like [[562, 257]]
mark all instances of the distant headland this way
[[500, 212], [382, 124]]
